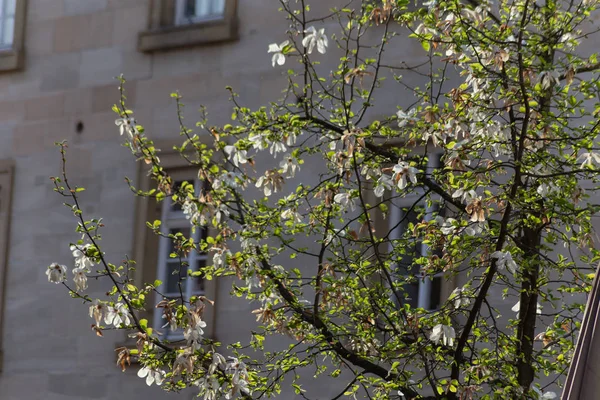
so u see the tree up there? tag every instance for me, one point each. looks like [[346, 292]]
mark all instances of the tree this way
[[509, 108]]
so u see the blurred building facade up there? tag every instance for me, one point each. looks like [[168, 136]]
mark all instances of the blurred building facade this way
[[58, 63]]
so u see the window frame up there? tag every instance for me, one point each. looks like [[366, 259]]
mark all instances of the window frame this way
[[424, 290], [12, 57], [182, 20], [164, 33], [146, 243], [7, 168], [171, 220], [448, 281]]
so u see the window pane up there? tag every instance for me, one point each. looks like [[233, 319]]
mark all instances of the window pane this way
[[218, 7], [172, 243], [436, 291], [175, 207], [412, 250], [203, 8], [171, 286], [8, 28], [411, 246], [11, 6], [197, 282], [411, 290]]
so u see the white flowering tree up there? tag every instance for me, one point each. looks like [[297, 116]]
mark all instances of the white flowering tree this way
[[486, 182]]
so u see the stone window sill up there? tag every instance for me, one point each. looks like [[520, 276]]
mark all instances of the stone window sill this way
[[188, 35], [11, 60]]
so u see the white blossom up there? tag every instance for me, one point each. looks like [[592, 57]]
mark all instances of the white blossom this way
[[220, 257], [117, 315], [404, 118], [97, 311], [239, 369], [209, 387], [383, 183], [475, 229], [236, 156], [370, 172], [237, 386], [569, 40], [504, 259], [239, 377], [475, 15], [56, 273], [289, 165], [314, 38], [517, 307], [218, 362], [247, 243], [277, 50], [545, 395], [422, 30], [459, 298], [277, 147], [345, 200], [270, 182], [465, 195], [151, 375], [80, 279], [190, 210], [448, 227], [253, 282], [402, 171], [194, 333], [443, 333], [228, 178], [292, 215], [259, 141], [589, 159], [547, 79], [127, 125], [290, 139], [81, 259], [544, 189], [221, 213]]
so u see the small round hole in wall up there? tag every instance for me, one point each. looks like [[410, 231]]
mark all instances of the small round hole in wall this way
[[79, 127]]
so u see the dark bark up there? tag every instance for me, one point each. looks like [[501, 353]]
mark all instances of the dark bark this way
[[529, 243]]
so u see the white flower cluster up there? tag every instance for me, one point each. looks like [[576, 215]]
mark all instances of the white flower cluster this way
[[504, 260], [116, 315], [444, 334], [128, 126], [194, 333], [151, 375], [239, 380], [313, 38], [402, 173], [83, 263], [56, 273]]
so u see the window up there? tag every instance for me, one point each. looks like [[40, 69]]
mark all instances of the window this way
[[7, 23], [12, 23], [421, 292], [171, 270], [181, 23], [195, 11], [152, 253], [6, 181]]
